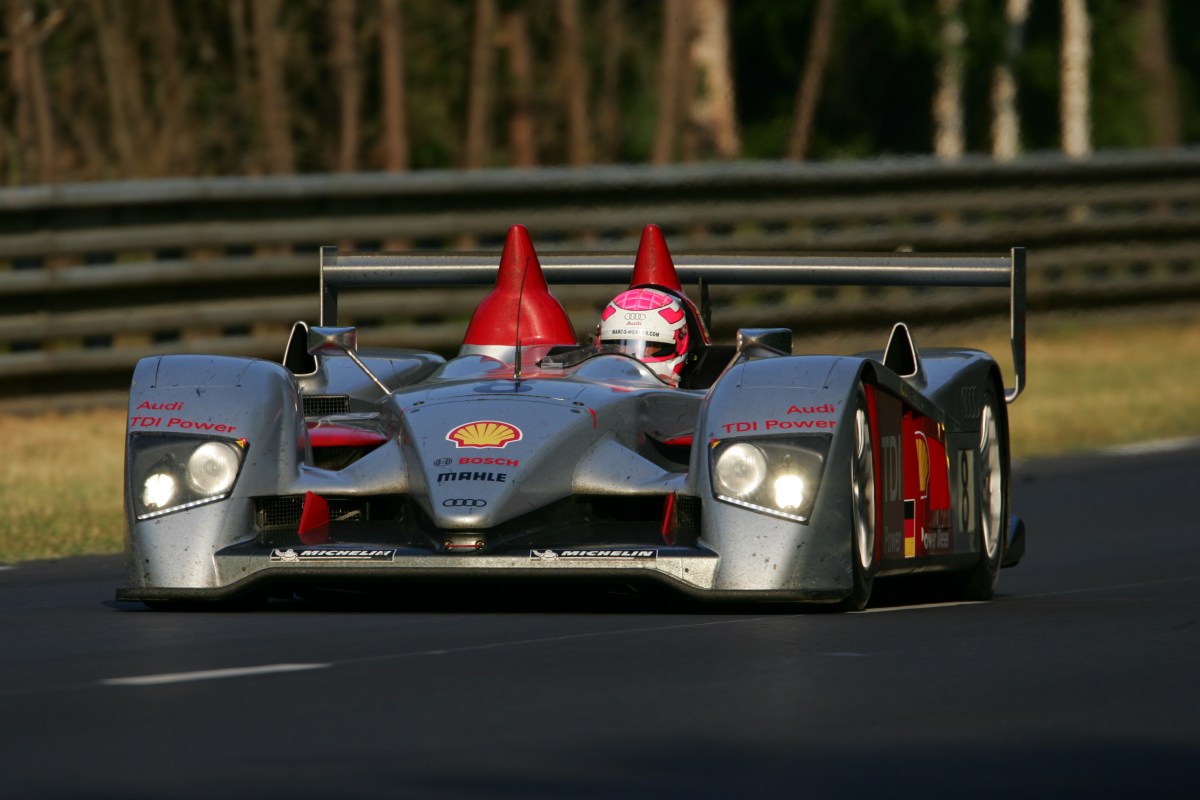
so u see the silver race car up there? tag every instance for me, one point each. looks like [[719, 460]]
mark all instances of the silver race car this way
[[649, 454]]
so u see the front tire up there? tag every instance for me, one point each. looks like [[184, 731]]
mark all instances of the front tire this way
[[864, 508]]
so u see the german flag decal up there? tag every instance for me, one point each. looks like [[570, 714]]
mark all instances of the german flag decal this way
[[485, 433]]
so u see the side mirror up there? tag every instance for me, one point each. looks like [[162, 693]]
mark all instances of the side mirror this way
[[332, 341], [339, 341], [764, 342]]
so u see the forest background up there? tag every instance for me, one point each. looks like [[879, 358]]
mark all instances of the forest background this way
[[123, 89]]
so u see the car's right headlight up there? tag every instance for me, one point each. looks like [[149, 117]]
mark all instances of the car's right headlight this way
[[174, 473], [778, 476]]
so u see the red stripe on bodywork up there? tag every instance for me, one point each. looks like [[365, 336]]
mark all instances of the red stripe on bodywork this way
[[338, 436], [668, 533]]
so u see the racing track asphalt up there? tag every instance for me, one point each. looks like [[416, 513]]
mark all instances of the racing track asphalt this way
[[1079, 680]]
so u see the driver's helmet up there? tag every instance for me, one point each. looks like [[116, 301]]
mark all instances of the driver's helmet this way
[[649, 324]]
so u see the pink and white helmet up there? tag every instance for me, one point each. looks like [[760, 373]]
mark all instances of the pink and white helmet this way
[[650, 325]]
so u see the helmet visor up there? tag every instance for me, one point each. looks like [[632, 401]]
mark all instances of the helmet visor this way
[[647, 350]]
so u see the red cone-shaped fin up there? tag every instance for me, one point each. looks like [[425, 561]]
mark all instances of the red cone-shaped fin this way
[[521, 301], [654, 267], [314, 520], [654, 264]]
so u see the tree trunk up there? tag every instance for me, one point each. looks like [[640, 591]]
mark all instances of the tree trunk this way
[[395, 125], [245, 93], [714, 109], [574, 83], [522, 139], [175, 144], [676, 26], [612, 30], [43, 118], [479, 105], [122, 76], [1155, 64], [809, 92], [947, 102], [19, 22], [276, 136], [348, 79], [1006, 122], [1075, 106]]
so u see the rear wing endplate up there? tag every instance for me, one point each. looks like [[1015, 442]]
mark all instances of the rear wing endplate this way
[[375, 270]]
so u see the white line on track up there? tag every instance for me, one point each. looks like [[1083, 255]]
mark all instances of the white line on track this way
[[922, 607], [209, 674], [1149, 448]]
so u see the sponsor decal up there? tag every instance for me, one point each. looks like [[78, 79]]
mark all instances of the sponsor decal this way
[[935, 540], [443, 462], [180, 424], [499, 462], [922, 444], [302, 555], [146, 405], [635, 316], [490, 477], [621, 554], [484, 433], [824, 408], [780, 425], [891, 468], [640, 333], [464, 502]]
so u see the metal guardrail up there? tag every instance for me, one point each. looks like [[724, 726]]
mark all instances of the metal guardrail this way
[[95, 276]]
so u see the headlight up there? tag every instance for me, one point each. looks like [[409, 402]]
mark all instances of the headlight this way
[[772, 476], [740, 469], [212, 468], [174, 473], [158, 490]]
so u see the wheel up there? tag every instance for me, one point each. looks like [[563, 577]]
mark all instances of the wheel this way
[[863, 511], [979, 583]]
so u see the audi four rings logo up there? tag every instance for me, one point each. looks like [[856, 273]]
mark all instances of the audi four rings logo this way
[[634, 315], [460, 502]]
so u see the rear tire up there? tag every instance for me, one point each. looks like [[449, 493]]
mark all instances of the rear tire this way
[[863, 511], [979, 583]]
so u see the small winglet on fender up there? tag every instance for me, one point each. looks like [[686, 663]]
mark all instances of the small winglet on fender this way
[[901, 355], [314, 520]]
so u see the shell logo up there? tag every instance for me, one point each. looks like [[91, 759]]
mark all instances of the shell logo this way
[[923, 462], [485, 433]]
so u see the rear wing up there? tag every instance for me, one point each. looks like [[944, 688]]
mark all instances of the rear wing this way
[[376, 270]]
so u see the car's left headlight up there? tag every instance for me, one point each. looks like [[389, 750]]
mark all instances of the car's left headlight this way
[[774, 476], [174, 473]]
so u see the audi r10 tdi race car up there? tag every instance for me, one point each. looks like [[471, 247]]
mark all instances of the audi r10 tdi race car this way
[[649, 454]]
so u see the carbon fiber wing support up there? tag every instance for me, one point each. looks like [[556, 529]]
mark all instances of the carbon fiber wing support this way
[[354, 270]]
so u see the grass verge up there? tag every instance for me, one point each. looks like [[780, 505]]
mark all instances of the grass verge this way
[[1095, 380]]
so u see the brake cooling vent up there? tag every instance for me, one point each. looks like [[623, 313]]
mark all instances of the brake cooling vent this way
[[279, 512], [687, 516], [323, 405], [283, 513]]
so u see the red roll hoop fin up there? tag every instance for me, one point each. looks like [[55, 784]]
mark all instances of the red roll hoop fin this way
[[522, 297], [654, 265]]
